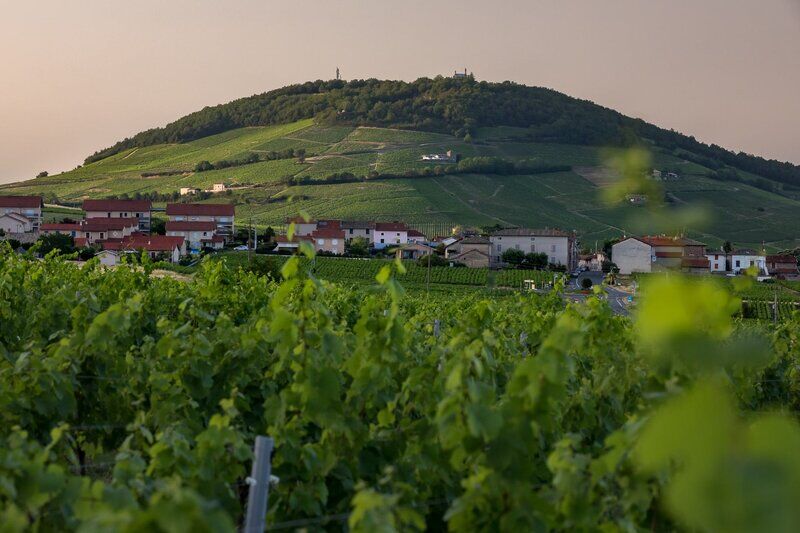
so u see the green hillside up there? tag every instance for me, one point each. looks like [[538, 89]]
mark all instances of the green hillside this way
[[339, 168]]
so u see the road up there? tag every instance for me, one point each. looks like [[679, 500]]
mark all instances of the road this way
[[617, 299]]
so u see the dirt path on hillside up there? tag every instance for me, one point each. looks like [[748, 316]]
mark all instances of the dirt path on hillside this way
[[130, 154]]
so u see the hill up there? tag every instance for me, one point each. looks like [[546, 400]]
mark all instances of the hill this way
[[337, 149]]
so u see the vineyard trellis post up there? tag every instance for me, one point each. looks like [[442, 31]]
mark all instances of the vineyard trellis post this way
[[436, 328], [256, 515]]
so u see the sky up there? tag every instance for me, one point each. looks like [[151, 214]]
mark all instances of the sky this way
[[78, 76]]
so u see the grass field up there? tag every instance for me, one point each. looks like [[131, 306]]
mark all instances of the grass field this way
[[569, 200]]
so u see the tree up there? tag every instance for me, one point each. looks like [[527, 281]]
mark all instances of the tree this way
[[536, 260], [158, 226], [513, 256], [56, 241], [433, 260], [269, 233], [301, 155], [42, 174], [727, 247], [358, 247], [203, 166]]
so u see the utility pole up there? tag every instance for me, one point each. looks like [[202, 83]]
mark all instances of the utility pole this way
[[428, 276], [250, 242]]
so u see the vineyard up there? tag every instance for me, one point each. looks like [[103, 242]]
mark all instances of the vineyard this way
[[130, 402], [339, 269]]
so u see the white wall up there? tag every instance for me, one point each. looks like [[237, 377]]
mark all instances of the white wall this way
[[632, 255]]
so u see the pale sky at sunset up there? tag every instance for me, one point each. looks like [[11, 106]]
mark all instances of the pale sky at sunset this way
[[80, 75]]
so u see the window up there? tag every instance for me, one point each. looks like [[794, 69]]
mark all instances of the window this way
[[367, 231], [738, 263], [398, 240], [553, 248], [205, 233], [516, 246], [533, 248], [335, 242], [109, 215], [321, 242], [381, 241], [499, 248], [351, 231], [101, 234]]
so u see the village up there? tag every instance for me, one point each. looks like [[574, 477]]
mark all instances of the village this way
[[114, 228]]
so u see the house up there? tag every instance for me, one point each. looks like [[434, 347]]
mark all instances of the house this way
[[744, 258], [482, 244], [221, 214], [658, 252], [29, 207], [109, 258], [14, 223], [95, 230], [156, 246], [62, 228], [717, 261], [198, 234], [472, 257], [388, 234], [302, 227], [132, 209], [329, 240], [592, 262], [189, 190], [782, 266], [354, 229], [416, 236], [560, 246], [219, 187], [632, 255], [636, 199], [284, 244], [413, 250], [447, 157]]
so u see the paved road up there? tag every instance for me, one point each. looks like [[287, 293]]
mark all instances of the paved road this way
[[617, 299]]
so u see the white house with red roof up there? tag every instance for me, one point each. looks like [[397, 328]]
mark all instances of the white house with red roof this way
[[389, 234], [125, 209], [198, 234], [223, 215], [97, 230], [62, 228], [20, 213], [559, 246]]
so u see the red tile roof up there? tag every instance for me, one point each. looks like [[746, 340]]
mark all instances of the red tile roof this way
[[663, 240], [415, 233], [390, 226], [790, 259], [215, 238], [106, 224], [328, 233], [329, 224], [151, 243], [190, 225], [20, 201], [117, 205], [80, 241], [209, 210]]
